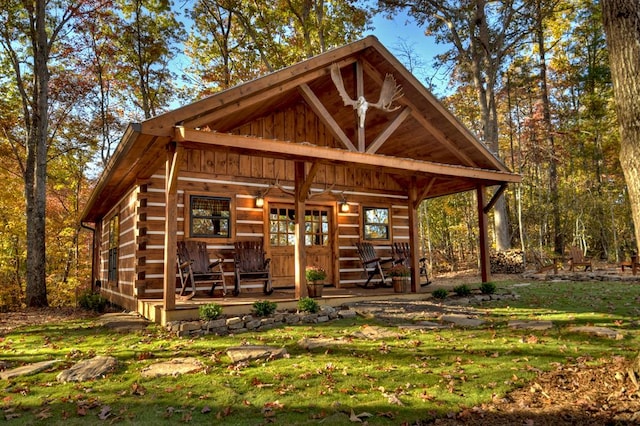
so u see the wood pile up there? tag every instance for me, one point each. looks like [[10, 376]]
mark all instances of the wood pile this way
[[507, 262]]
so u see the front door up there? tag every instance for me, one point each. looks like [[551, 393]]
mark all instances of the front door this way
[[282, 241]]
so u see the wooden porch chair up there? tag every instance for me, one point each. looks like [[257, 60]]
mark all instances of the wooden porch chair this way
[[251, 266], [576, 258], [371, 263], [544, 263], [402, 254], [195, 266]]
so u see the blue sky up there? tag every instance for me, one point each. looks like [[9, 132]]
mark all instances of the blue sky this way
[[404, 30]]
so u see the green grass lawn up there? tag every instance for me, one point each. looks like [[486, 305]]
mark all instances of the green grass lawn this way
[[421, 375]]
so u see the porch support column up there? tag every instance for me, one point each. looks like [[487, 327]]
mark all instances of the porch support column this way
[[485, 266], [174, 159], [300, 255], [414, 235], [359, 72]]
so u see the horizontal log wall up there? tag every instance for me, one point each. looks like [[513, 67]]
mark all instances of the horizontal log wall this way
[[122, 292], [248, 223]]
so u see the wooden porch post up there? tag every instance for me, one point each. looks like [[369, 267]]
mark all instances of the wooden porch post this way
[[485, 265], [414, 235], [300, 254], [174, 159]]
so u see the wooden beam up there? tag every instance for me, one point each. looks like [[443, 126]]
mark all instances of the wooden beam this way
[[173, 161], [305, 184], [414, 235], [359, 74], [495, 198], [442, 112], [304, 152], [325, 117], [422, 194], [300, 255], [431, 128], [388, 131], [485, 263]]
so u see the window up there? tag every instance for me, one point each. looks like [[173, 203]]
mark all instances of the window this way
[[210, 217], [282, 227], [114, 242], [376, 223]]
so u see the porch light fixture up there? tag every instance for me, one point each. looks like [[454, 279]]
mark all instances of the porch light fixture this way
[[260, 197], [344, 206]]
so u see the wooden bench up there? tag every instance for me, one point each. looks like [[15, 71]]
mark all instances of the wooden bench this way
[[195, 266]]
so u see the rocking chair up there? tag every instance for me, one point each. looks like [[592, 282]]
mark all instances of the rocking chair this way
[[194, 266], [251, 266], [371, 263], [402, 254]]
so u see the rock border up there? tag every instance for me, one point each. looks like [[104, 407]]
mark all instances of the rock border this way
[[247, 323]]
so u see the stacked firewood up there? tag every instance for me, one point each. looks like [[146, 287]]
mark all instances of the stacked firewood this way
[[507, 262]]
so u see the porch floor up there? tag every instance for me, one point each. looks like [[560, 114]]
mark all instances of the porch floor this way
[[242, 304]]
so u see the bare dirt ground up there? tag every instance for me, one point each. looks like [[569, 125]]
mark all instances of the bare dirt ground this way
[[24, 317], [575, 393]]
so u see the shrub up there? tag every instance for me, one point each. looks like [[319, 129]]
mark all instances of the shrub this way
[[462, 290], [315, 273], [209, 311], [440, 293], [488, 288], [264, 308], [307, 304], [92, 302], [399, 270]]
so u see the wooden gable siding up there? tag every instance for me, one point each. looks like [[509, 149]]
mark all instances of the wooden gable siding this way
[[122, 292]]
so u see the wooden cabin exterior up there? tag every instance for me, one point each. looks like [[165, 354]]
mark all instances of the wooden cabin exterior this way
[[288, 138]]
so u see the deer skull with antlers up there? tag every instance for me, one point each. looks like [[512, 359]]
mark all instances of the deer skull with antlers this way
[[389, 92]]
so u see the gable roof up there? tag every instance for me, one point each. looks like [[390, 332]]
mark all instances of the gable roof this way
[[420, 138]]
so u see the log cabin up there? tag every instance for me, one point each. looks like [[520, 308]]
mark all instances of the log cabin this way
[[301, 159]]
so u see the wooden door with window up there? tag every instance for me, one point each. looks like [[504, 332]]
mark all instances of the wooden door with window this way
[[282, 241]]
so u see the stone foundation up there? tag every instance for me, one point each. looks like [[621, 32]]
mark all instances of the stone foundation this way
[[235, 325]]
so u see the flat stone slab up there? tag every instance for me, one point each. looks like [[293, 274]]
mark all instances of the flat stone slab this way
[[422, 325], [28, 369], [88, 369], [123, 322], [175, 367], [599, 332], [251, 352], [530, 325], [320, 342], [376, 333], [462, 320], [347, 313]]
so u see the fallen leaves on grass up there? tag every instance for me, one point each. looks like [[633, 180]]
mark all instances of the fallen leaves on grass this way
[[357, 418]]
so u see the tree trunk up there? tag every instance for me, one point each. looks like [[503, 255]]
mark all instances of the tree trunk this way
[[36, 170], [558, 241], [622, 25]]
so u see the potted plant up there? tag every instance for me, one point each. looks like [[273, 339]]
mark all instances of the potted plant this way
[[400, 275], [315, 275]]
